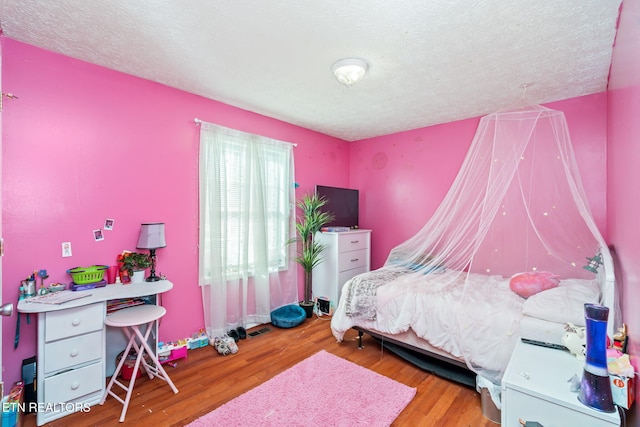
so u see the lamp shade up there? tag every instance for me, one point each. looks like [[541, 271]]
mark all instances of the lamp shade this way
[[151, 236]]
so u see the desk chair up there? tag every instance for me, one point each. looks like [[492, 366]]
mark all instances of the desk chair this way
[[130, 320]]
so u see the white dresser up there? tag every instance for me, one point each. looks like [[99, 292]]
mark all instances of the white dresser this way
[[74, 353], [347, 254], [535, 388]]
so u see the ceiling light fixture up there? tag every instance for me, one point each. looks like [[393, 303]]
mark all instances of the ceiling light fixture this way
[[350, 70]]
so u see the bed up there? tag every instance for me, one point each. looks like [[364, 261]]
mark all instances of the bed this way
[[516, 208], [435, 316]]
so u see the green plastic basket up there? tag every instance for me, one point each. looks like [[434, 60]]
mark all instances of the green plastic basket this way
[[84, 275]]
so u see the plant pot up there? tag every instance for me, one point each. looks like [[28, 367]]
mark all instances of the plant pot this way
[[308, 308], [138, 277]]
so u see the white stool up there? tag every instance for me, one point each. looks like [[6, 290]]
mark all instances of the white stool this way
[[130, 320]]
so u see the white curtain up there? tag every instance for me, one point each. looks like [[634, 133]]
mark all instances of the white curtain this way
[[247, 215]]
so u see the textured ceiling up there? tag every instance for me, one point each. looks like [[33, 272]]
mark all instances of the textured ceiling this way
[[430, 62]]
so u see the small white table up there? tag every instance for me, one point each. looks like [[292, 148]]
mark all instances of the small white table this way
[[535, 388], [73, 347]]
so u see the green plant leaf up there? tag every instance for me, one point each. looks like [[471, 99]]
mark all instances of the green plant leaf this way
[[135, 261], [309, 220]]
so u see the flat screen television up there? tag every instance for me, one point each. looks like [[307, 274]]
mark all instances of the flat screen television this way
[[343, 203]]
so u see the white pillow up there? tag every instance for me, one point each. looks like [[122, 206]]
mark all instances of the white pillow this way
[[564, 303]]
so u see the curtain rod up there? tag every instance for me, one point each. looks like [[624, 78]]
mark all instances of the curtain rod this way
[[197, 121]]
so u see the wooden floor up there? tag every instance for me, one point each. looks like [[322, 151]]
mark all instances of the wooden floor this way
[[207, 380]]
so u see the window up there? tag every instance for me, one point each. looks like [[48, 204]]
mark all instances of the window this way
[[245, 203]]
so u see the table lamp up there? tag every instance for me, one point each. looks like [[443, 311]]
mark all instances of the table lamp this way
[[595, 389], [152, 238]]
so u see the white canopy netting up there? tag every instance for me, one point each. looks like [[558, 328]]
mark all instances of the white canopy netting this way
[[517, 206]]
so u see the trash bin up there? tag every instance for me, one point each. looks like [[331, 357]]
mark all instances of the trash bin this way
[[489, 393], [489, 409], [127, 369]]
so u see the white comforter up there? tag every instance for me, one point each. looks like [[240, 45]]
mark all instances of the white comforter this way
[[477, 322]]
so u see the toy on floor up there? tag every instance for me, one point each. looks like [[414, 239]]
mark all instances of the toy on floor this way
[[198, 339], [172, 351]]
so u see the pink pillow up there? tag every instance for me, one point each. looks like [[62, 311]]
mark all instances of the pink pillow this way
[[527, 284]]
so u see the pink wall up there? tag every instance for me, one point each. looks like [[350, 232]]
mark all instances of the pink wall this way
[[623, 172], [403, 177], [84, 143]]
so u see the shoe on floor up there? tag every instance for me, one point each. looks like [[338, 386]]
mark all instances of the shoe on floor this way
[[233, 334], [242, 332]]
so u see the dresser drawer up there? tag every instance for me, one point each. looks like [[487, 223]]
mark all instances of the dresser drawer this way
[[353, 242], [351, 260], [72, 351], [344, 276], [74, 384], [74, 321]]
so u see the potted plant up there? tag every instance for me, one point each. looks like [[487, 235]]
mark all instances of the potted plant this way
[[309, 221], [133, 262]]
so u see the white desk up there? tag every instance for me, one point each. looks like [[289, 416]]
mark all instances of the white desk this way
[[73, 350]]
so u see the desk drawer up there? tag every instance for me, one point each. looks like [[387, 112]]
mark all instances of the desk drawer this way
[[74, 384], [72, 351], [351, 260], [74, 321], [353, 242]]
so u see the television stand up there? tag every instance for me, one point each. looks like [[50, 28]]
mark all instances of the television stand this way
[[346, 254]]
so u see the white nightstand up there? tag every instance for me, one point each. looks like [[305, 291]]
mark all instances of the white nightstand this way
[[535, 388]]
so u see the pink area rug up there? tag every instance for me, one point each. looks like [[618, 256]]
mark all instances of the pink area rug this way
[[322, 390]]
